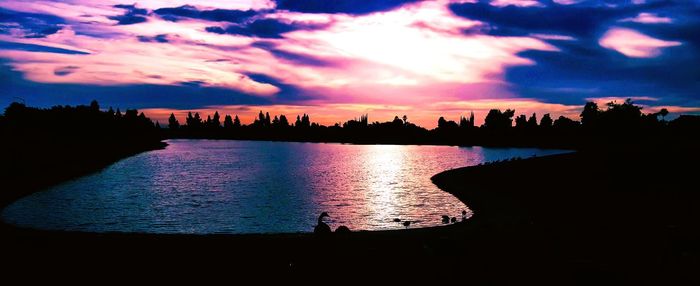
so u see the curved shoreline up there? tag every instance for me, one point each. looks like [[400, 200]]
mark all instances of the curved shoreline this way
[[24, 184], [443, 203], [563, 218]]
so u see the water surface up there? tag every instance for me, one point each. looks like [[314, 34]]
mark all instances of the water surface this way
[[209, 186]]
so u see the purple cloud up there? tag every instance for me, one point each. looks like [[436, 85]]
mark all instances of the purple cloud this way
[[132, 15]]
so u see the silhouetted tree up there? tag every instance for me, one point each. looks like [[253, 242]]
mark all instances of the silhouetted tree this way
[[590, 114], [521, 121], [236, 122], [283, 121], [261, 119], [496, 119], [215, 121], [463, 122], [131, 114], [467, 122], [532, 122], [565, 123], [444, 124], [193, 122], [621, 116], [173, 124], [357, 123], [663, 112], [397, 122], [546, 121], [94, 106], [197, 120], [228, 122], [189, 119], [305, 121]]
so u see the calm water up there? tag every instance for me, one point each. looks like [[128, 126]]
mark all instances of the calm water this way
[[203, 186]]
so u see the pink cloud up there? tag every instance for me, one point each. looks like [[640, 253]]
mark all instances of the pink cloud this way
[[519, 3], [634, 44], [567, 2], [648, 18]]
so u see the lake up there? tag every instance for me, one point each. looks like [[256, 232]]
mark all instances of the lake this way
[[219, 186]]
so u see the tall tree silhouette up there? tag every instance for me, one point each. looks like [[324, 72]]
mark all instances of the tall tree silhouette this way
[[521, 121], [228, 122], [215, 121], [590, 114], [172, 122], [283, 121], [546, 121], [532, 122]]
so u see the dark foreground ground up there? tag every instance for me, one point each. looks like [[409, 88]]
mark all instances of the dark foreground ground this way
[[614, 217]]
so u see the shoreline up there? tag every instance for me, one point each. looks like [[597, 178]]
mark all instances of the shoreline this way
[[25, 184], [537, 219], [435, 219]]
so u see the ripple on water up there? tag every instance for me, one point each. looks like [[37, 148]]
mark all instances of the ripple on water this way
[[203, 186]]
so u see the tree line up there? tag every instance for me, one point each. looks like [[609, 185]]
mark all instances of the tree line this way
[[614, 122], [500, 128], [77, 123]]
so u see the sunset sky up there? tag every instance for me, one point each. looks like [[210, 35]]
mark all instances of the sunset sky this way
[[339, 59]]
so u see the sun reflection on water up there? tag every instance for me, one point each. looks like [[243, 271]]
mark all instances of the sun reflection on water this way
[[202, 186]]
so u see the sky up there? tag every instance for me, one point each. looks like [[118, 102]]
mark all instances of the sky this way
[[337, 60]]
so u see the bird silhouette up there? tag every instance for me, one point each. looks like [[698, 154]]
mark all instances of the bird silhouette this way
[[322, 227], [342, 229], [445, 219]]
